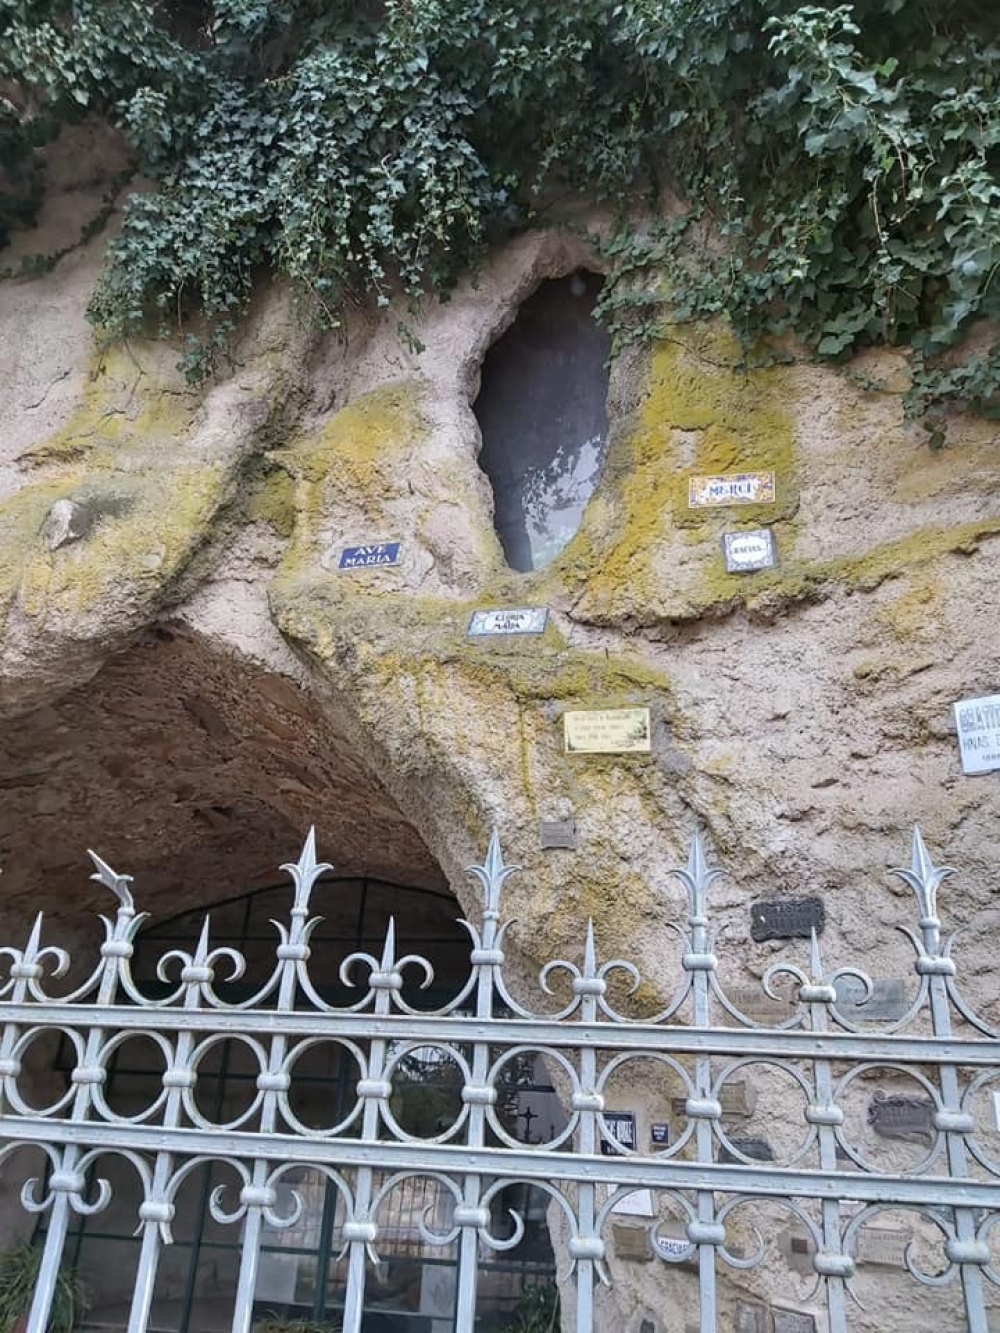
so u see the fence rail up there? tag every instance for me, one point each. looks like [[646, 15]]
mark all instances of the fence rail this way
[[938, 1146]]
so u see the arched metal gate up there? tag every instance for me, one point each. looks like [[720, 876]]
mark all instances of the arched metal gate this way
[[673, 1180]]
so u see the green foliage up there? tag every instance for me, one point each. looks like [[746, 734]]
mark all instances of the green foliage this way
[[18, 1279], [275, 1323], [837, 166], [538, 1309]]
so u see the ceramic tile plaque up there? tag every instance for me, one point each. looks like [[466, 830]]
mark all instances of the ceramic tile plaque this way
[[518, 620], [370, 556], [731, 488], [607, 731], [978, 722], [745, 552]]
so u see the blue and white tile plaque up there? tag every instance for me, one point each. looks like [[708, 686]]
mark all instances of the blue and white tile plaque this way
[[369, 557]]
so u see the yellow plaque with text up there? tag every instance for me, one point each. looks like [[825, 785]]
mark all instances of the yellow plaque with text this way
[[607, 731]]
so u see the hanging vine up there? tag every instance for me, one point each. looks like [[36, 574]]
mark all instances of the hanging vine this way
[[837, 166]]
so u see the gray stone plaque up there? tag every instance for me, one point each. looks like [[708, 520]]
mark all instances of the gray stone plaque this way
[[883, 1245], [631, 1243], [557, 834], [786, 918], [893, 1115], [794, 1321], [745, 552], [737, 1099], [751, 1318], [758, 1005], [758, 1150], [887, 1000]]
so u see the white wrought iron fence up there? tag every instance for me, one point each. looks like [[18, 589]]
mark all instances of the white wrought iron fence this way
[[703, 1179]]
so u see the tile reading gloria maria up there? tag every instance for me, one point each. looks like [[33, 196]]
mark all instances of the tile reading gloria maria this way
[[368, 557], [519, 620], [978, 722], [731, 488]]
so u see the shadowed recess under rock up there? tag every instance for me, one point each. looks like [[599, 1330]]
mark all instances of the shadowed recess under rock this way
[[543, 416]]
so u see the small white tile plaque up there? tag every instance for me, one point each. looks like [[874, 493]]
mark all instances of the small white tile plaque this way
[[978, 722], [745, 552], [516, 620]]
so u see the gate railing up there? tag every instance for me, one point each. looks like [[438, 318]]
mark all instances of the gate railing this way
[[704, 1179]]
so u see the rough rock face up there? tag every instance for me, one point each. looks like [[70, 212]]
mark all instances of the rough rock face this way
[[175, 635]]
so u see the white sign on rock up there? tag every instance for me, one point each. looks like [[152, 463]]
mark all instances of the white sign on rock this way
[[978, 722], [745, 552]]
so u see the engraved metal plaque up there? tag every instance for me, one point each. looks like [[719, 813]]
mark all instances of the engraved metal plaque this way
[[745, 552], [557, 834], [793, 1321], [786, 918], [751, 1318], [370, 556], [893, 1115], [731, 488], [758, 1150], [883, 1245], [518, 620], [607, 731], [887, 1000], [978, 722]]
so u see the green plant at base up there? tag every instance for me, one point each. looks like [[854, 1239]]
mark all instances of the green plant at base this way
[[18, 1279], [274, 1323], [537, 1311]]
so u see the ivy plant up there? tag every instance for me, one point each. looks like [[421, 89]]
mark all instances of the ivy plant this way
[[829, 174]]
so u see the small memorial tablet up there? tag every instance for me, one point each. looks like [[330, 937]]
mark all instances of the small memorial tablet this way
[[887, 1000], [751, 1318], [557, 834], [637, 1204], [978, 722], [621, 1127], [883, 1245], [659, 1134], [520, 620], [786, 918], [758, 1150], [756, 1004], [797, 1247], [631, 1243], [745, 552], [996, 1108], [607, 731], [369, 557], [898, 1116], [793, 1321], [732, 488]]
